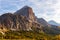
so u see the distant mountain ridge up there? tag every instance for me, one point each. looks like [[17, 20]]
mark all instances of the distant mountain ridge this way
[[53, 23], [43, 22]]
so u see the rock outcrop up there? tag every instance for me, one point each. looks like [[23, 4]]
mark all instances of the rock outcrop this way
[[27, 12], [23, 19]]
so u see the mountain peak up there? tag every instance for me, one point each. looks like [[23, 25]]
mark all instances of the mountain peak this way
[[52, 22], [26, 6], [27, 12]]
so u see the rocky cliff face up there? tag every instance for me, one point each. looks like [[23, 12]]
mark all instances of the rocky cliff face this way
[[27, 12], [23, 19]]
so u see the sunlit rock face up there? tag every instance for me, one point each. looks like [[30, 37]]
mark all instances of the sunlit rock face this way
[[26, 11], [23, 19]]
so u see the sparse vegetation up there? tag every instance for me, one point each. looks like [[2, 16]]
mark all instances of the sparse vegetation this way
[[31, 35]]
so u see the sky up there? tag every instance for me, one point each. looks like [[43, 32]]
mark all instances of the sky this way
[[47, 9]]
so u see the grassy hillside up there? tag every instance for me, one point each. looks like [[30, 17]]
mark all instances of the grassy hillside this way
[[45, 33], [28, 35]]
